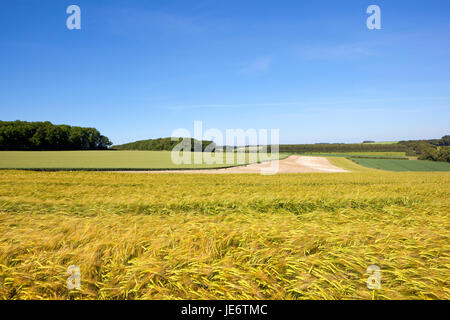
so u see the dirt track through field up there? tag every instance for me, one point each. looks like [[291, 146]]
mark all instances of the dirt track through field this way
[[292, 164]]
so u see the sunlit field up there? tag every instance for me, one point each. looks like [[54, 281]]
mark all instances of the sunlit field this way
[[119, 160], [403, 165], [169, 236]]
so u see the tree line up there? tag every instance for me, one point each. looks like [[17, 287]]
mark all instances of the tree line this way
[[39, 136], [342, 147], [167, 144], [434, 149], [23, 135]]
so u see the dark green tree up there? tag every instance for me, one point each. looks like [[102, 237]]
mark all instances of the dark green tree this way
[[22, 135]]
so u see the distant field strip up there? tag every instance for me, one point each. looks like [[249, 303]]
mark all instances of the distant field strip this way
[[403, 165], [383, 142], [161, 160], [104, 160], [359, 154], [296, 236], [348, 164]]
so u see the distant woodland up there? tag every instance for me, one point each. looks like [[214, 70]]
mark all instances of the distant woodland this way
[[342, 147], [39, 136], [167, 144], [435, 150]]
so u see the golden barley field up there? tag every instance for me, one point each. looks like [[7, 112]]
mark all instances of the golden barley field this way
[[170, 236]]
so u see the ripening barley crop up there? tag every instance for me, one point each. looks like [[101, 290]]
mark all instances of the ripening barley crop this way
[[171, 236]]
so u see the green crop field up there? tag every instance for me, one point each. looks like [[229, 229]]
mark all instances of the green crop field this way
[[158, 160], [113, 160], [171, 236], [349, 165], [403, 165]]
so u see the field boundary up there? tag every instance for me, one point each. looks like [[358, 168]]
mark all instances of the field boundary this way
[[375, 157], [284, 156], [411, 165], [117, 169]]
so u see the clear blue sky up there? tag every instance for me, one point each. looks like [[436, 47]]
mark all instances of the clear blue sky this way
[[141, 69]]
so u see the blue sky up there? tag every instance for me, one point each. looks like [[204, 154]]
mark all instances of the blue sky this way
[[141, 69]]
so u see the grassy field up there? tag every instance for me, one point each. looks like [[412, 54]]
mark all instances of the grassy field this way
[[403, 165], [371, 163], [297, 236], [158, 160], [349, 165], [100, 160]]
